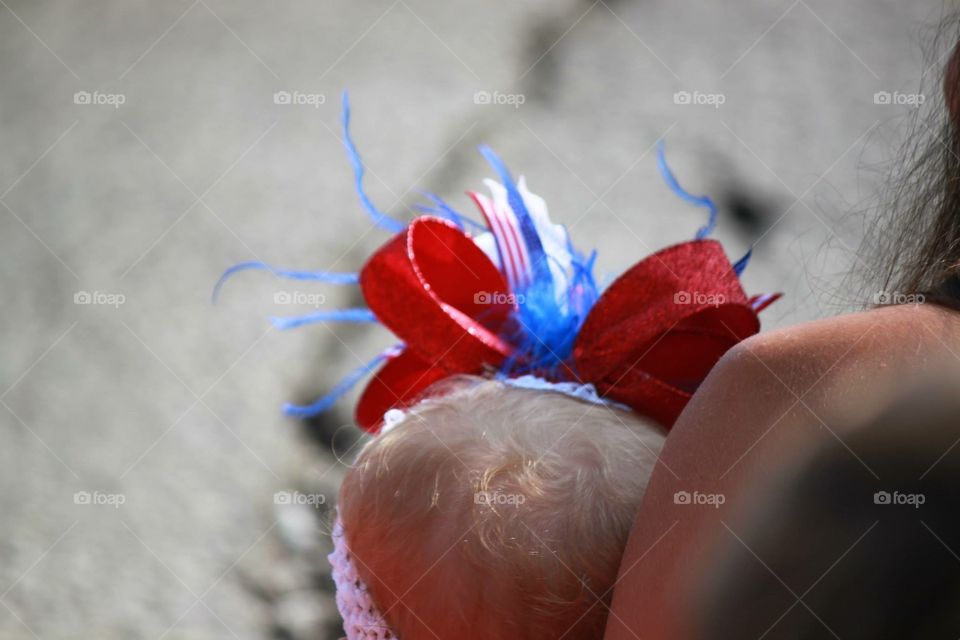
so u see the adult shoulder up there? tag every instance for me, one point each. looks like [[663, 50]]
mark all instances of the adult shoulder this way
[[824, 364], [771, 397]]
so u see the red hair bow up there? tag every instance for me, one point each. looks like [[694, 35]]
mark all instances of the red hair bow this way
[[648, 342], [518, 298]]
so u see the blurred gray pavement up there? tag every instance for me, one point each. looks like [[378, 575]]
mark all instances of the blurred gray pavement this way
[[182, 164]]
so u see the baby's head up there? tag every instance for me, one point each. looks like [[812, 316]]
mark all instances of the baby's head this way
[[496, 512]]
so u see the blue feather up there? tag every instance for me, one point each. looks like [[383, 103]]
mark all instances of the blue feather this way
[[319, 276], [700, 201], [338, 391], [379, 218], [338, 315], [742, 262]]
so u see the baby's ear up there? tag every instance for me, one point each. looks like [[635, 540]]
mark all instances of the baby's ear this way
[[951, 88]]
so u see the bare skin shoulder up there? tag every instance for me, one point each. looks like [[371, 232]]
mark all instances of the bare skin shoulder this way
[[771, 397]]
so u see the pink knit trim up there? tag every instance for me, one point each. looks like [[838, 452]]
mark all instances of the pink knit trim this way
[[361, 619]]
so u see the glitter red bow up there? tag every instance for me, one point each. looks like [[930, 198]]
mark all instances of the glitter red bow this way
[[648, 342], [514, 297]]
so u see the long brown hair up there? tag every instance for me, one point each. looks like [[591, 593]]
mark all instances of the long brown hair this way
[[915, 244]]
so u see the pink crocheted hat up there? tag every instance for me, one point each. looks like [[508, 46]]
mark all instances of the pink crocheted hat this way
[[361, 619]]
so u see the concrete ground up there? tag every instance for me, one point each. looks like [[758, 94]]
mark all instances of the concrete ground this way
[[144, 151]]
